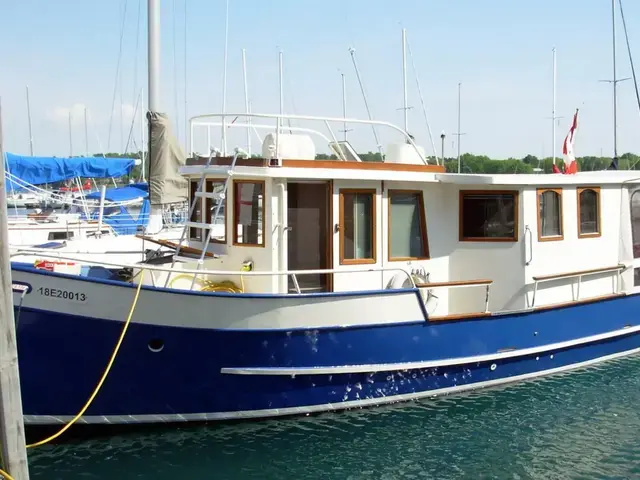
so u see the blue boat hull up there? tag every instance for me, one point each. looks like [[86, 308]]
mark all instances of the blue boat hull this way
[[216, 374]]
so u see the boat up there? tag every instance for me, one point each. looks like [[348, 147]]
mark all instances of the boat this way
[[337, 284]]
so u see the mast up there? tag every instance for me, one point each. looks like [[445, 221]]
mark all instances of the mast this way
[[154, 56], [29, 119], [224, 79], [246, 99], [615, 83], [70, 137], [553, 110], [459, 133], [405, 107], [86, 133], [344, 105]]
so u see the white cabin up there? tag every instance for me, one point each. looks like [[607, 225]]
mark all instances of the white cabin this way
[[516, 241]]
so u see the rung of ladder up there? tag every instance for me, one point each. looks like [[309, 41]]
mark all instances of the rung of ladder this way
[[212, 195], [198, 225], [182, 258]]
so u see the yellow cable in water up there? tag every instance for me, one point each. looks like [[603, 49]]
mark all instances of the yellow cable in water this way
[[6, 475], [104, 375]]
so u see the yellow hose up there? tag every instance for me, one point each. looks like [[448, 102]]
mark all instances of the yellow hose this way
[[208, 286], [6, 475], [104, 375]]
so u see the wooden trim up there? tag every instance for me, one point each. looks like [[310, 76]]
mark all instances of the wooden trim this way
[[516, 223], [208, 214], [174, 245], [581, 301], [596, 190], [236, 211], [331, 164], [330, 253], [576, 273], [455, 283], [552, 238], [459, 316], [195, 233], [374, 225], [423, 226]]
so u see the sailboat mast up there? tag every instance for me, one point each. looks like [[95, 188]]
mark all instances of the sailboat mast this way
[[154, 56], [553, 110], [615, 83]]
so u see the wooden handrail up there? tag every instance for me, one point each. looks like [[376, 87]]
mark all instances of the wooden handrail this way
[[173, 245], [577, 273], [455, 283]]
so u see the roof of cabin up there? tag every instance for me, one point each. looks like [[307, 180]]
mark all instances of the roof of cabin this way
[[335, 169]]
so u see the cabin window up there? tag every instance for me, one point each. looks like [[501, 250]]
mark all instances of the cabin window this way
[[407, 226], [357, 226], [60, 235], [248, 213], [588, 212], [219, 228], [549, 214], [488, 216], [196, 215]]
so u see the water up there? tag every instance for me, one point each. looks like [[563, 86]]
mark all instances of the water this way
[[582, 425]]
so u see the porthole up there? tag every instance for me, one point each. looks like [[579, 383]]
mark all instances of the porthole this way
[[156, 345], [493, 367]]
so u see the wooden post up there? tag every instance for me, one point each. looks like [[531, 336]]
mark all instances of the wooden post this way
[[12, 439]]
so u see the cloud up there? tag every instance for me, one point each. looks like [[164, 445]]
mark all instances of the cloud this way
[[60, 115]]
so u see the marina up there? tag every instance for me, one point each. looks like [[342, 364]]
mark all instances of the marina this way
[[306, 281]]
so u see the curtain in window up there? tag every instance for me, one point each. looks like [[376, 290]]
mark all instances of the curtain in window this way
[[358, 220], [550, 214], [405, 226]]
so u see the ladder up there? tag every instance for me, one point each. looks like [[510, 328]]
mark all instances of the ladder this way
[[201, 193]]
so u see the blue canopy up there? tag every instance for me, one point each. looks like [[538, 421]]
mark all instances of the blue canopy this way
[[123, 194], [40, 170]]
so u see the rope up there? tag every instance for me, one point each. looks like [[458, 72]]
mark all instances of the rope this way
[[104, 375]]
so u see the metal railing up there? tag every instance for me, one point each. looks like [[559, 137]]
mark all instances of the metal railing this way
[[279, 127], [461, 284], [617, 269]]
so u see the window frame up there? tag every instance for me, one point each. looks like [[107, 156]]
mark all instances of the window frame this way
[[516, 216], [236, 212], [596, 190], [550, 238], [374, 226], [423, 226], [193, 188], [208, 214]]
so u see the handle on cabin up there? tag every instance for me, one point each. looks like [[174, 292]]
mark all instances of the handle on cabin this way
[[528, 230]]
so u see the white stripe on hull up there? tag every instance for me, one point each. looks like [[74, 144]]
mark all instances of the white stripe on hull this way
[[248, 414]]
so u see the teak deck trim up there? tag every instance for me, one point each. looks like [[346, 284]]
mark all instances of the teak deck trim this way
[[330, 164]]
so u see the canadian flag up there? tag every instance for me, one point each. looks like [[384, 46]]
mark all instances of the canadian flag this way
[[571, 166]]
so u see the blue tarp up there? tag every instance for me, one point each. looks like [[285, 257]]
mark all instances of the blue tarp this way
[[123, 223], [41, 170], [123, 194]]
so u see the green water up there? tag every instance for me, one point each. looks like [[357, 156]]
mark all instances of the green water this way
[[582, 425]]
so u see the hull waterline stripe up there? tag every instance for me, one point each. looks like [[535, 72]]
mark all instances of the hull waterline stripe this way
[[387, 367], [276, 412]]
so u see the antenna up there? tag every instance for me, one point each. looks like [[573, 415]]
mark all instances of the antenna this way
[[459, 133], [352, 52], [405, 108]]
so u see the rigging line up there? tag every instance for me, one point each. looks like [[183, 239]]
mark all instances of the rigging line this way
[[133, 120], [115, 83], [424, 107], [175, 72]]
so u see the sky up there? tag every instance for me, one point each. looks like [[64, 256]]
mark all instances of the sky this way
[[67, 53]]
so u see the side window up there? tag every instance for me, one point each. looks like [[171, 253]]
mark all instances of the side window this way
[[248, 213], [588, 212], [357, 226], [407, 226], [219, 230], [196, 215], [60, 235], [550, 226], [488, 216]]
